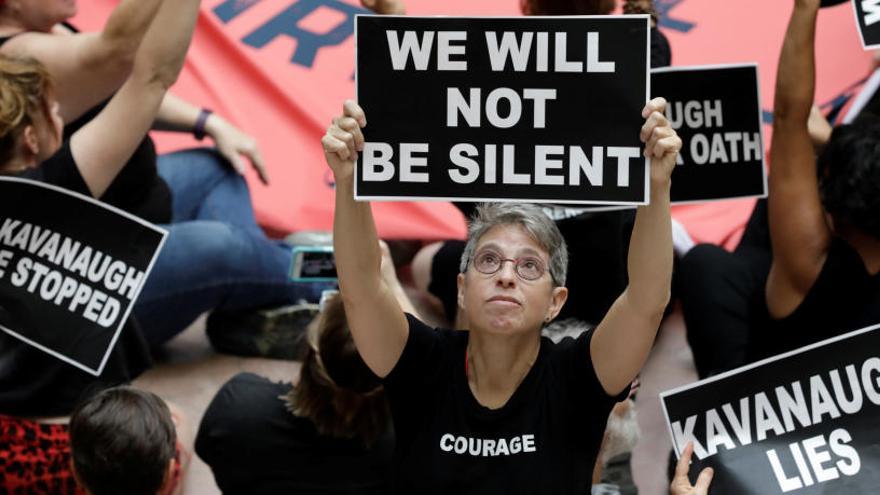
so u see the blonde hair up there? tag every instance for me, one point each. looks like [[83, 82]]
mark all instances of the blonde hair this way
[[336, 390], [25, 88]]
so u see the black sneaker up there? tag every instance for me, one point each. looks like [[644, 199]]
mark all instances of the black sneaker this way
[[277, 333]]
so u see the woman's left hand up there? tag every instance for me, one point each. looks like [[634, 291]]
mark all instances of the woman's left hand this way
[[232, 143], [662, 144]]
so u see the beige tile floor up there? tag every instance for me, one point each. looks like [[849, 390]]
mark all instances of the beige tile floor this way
[[191, 372]]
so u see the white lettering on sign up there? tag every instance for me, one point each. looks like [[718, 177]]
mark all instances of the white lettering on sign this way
[[872, 11], [784, 409], [470, 107], [814, 462]]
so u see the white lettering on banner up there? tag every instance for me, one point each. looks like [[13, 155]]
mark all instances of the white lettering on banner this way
[[517, 51], [487, 447], [725, 147], [695, 114], [401, 51], [784, 410], [547, 171], [872, 11], [63, 291], [814, 462], [5, 257], [73, 256], [470, 108]]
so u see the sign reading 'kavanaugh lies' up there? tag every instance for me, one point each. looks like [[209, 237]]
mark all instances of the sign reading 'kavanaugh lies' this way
[[520, 109], [70, 270], [802, 423]]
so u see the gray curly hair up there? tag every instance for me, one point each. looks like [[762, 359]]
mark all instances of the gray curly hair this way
[[530, 217]]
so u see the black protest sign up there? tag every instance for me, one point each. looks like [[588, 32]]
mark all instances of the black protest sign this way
[[868, 18], [716, 110], [802, 423], [492, 109], [70, 270]]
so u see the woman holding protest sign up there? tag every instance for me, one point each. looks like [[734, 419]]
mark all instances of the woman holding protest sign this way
[[35, 456], [603, 236], [498, 409]]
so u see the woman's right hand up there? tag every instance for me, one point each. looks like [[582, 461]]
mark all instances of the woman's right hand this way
[[344, 140]]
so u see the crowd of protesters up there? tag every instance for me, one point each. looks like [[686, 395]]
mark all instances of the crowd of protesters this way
[[549, 321]]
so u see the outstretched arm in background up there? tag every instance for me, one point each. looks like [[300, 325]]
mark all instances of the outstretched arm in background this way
[[103, 146], [88, 67], [798, 231]]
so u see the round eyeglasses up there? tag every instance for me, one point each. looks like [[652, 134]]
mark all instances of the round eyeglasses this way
[[527, 267]]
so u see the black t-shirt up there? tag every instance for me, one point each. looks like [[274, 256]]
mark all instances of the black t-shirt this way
[[543, 441], [845, 297], [255, 446], [35, 384], [137, 188]]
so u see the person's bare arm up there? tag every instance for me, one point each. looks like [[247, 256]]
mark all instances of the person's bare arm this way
[[177, 114], [103, 146], [377, 323], [385, 7], [88, 67], [798, 231], [624, 337]]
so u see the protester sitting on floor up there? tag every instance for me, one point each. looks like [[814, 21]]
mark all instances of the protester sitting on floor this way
[[330, 433], [35, 454], [820, 278], [125, 440], [600, 237], [489, 396], [215, 257]]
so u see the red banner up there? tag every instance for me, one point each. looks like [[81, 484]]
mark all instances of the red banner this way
[[279, 69]]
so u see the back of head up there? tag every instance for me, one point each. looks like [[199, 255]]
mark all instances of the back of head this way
[[849, 176], [25, 87], [566, 7], [337, 391], [122, 441]]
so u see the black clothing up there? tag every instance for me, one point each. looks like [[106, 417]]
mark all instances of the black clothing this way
[[35, 384], [544, 440], [724, 300], [844, 297], [255, 446], [661, 52], [137, 188]]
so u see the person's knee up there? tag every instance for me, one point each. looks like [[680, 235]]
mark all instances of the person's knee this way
[[700, 267]]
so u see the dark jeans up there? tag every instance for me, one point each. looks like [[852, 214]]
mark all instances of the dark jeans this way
[[722, 296], [215, 255]]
